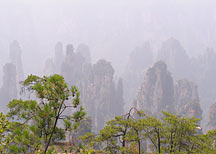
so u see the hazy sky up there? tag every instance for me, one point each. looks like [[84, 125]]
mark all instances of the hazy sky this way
[[112, 28]]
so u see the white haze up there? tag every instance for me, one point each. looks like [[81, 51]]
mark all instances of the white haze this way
[[111, 28]]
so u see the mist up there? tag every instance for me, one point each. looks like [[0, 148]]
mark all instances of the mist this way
[[110, 28], [127, 49]]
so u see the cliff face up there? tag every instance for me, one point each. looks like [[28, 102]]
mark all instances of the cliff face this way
[[192, 109], [185, 91], [212, 117], [53, 65], [140, 59], [59, 58], [200, 69], [207, 73], [84, 50], [157, 91], [49, 67], [15, 55], [72, 66], [100, 95], [187, 99], [176, 58], [204, 73], [104, 93], [119, 100], [8, 90]]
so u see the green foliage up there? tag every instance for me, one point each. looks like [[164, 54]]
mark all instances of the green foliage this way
[[5, 137], [34, 126], [168, 134], [119, 133], [180, 133], [36, 120], [24, 139]]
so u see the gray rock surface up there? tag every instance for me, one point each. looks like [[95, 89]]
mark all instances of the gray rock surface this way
[[8, 91], [157, 91]]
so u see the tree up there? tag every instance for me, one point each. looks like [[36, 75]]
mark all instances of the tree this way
[[180, 133], [74, 128], [4, 136], [39, 117], [119, 133], [24, 139], [151, 130], [168, 134]]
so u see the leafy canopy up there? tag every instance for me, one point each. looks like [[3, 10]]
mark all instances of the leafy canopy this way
[[36, 119]]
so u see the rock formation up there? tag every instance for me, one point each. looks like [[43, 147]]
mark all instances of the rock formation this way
[[118, 109], [206, 73], [187, 99], [15, 55], [49, 67], [99, 93], [140, 59], [212, 117], [83, 49], [101, 96], [59, 58], [8, 90], [102, 99], [2, 60], [53, 65], [104, 93], [192, 109], [72, 66], [201, 70], [176, 58], [157, 91]]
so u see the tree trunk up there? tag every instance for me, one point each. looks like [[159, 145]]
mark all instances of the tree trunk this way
[[56, 120], [158, 135], [139, 146]]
